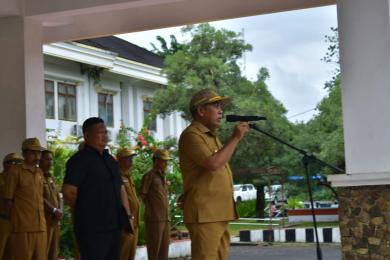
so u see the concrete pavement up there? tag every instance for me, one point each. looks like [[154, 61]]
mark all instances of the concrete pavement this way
[[283, 251]]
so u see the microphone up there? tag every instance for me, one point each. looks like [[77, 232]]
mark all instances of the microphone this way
[[236, 118]]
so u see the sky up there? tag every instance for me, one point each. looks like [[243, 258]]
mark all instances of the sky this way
[[289, 44]]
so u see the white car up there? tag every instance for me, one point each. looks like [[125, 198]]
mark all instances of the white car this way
[[243, 192]]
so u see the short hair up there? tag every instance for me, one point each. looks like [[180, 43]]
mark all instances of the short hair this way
[[90, 122], [44, 152]]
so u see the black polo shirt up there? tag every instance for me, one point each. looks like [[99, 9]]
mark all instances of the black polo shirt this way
[[97, 177]]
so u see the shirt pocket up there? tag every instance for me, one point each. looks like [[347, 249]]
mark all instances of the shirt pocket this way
[[212, 145]]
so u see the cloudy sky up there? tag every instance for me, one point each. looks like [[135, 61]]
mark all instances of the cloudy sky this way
[[290, 44]]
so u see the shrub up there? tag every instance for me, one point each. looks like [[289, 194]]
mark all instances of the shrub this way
[[247, 209]]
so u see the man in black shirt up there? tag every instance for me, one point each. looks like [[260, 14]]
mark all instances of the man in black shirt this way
[[94, 190]]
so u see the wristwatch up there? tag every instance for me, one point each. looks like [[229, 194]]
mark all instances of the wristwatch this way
[[131, 217], [54, 210]]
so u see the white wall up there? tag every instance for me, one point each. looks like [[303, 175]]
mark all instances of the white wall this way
[[364, 29], [128, 95]]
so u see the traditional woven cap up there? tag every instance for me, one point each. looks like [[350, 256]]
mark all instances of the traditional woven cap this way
[[162, 154], [32, 144], [12, 157], [125, 152], [206, 96]]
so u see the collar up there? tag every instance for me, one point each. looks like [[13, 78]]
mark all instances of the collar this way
[[25, 167], [125, 173], [91, 149], [202, 128], [159, 172]]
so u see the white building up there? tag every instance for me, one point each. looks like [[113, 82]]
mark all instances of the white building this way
[[128, 76]]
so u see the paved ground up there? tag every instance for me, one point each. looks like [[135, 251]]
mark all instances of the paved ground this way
[[283, 251]]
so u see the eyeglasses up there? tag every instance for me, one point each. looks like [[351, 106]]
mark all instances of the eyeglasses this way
[[217, 105]]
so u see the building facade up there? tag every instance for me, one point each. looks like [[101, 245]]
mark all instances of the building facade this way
[[105, 77]]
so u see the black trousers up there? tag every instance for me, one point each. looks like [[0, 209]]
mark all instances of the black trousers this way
[[99, 246]]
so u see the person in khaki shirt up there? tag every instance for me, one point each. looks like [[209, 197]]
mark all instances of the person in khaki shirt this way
[[53, 211], [207, 198], [9, 161], [156, 217], [24, 198], [129, 241]]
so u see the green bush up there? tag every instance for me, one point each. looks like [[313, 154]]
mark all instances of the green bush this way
[[294, 203], [247, 209]]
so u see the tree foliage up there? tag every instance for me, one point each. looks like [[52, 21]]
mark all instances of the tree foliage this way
[[323, 135], [327, 125], [211, 60]]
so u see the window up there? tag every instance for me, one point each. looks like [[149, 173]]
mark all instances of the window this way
[[147, 112], [49, 97], [66, 102], [60, 100], [106, 108]]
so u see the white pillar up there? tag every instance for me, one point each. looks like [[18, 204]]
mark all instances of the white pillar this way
[[22, 100], [364, 33]]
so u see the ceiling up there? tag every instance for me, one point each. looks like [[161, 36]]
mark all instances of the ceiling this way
[[75, 19]]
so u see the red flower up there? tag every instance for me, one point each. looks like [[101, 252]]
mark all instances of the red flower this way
[[142, 140]]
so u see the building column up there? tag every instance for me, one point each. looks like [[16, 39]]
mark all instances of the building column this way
[[22, 99], [364, 191]]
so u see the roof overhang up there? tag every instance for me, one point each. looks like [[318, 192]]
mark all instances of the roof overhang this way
[[105, 59], [75, 19]]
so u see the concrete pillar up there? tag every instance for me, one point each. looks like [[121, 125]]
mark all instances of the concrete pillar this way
[[22, 99], [365, 64], [364, 192]]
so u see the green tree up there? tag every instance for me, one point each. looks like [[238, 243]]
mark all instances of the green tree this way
[[327, 126], [323, 134], [211, 59]]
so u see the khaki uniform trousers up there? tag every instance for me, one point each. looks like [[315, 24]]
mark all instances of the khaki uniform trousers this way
[[5, 234], [209, 241], [53, 241], [4, 237], [129, 245], [28, 246], [157, 239]]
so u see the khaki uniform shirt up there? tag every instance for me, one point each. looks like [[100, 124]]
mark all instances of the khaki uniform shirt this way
[[25, 188], [5, 224], [155, 196], [51, 195], [208, 195], [131, 195]]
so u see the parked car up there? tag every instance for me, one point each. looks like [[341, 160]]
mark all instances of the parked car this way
[[274, 195], [243, 192]]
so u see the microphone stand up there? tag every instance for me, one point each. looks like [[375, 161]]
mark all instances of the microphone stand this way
[[307, 157]]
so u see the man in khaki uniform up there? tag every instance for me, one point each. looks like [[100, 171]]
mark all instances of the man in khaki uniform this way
[[9, 161], [207, 179], [24, 198], [155, 196], [53, 211], [129, 242]]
